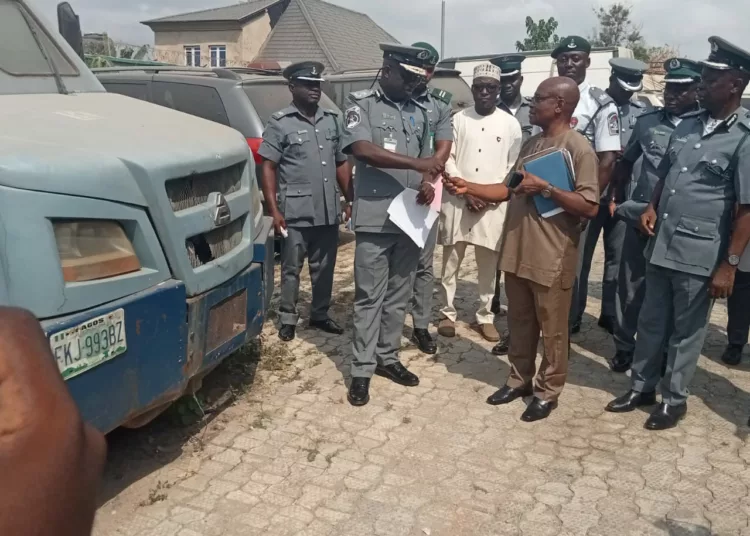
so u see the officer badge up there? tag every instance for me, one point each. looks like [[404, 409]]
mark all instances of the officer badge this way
[[714, 46], [674, 64], [613, 124], [314, 71], [572, 44], [423, 55], [353, 117]]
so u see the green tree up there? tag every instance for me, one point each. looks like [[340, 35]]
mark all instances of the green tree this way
[[541, 35], [616, 29]]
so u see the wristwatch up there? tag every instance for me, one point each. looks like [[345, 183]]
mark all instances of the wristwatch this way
[[733, 260], [547, 192]]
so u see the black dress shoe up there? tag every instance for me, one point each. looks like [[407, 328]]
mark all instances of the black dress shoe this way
[[607, 323], [359, 392], [287, 333], [665, 417], [631, 401], [732, 355], [506, 395], [622, 362], [538, 410], [424, 341], [575, 327], [327, 325], [503, 346], [397, 373]]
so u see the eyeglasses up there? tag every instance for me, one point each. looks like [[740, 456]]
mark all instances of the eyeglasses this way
[[536, 99], [489, 88]]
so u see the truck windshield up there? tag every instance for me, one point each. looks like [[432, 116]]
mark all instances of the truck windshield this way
[[27, 48]]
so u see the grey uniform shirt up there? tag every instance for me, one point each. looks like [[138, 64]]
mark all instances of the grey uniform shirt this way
[[307, 155], [402, 128], [696, 209], [522, 115], [629, 114], [649, 140], [437, 104]]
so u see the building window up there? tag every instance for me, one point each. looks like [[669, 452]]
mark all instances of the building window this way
[[193, 56], [218, 56]]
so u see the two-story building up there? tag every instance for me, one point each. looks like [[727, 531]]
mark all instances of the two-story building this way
[[259, 31]]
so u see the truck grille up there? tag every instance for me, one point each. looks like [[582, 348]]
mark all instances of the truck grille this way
[[188, 192], [207, 247]]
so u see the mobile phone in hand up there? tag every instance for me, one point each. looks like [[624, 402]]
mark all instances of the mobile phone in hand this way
[[515, 180]]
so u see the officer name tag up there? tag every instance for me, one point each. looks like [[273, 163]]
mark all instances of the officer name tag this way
[[390, 144]]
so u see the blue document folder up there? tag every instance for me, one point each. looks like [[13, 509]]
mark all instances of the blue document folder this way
[[555, 167]]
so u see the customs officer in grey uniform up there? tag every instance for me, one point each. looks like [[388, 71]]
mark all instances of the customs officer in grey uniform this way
[[645, 151], [388, 133], [699, 223], [597, 118], [437, 103], [511, 101], [302, 161], [626, 78]]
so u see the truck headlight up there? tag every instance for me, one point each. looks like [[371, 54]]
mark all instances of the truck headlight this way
[[93, 249]]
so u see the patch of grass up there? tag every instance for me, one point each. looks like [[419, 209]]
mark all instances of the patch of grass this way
[[406, 420], [156, 494], [389, 407], [307, 387], [262, 420]]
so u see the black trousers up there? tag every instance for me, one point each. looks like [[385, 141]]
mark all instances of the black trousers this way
[[738, 307]]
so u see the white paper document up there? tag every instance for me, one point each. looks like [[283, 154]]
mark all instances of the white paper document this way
[[413, 219]]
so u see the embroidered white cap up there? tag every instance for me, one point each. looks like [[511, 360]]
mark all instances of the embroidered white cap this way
[[487, 70]]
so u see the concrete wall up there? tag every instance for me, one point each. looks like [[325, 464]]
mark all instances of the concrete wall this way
[[243, 43], [254, 34]]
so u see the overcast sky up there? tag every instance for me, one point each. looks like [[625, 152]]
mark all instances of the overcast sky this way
[[473, 26]]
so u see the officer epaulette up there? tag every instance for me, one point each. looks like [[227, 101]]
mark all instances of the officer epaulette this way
[[282, 113], [601, 96], [363, 94], [527, 100], [745, 121], [442, 95], [330, 112], [655, 110]]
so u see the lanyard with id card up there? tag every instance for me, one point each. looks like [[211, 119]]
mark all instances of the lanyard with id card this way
[[390, 143]]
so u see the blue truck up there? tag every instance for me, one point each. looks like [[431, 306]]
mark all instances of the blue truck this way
[[133, 232]]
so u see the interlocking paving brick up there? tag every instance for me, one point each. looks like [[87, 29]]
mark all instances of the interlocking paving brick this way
[[295, 459]]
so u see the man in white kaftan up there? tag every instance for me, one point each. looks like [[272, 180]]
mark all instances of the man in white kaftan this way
[[487, 144]]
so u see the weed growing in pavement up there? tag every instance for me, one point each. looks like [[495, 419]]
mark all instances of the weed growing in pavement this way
[[156, 494], [406, 420], [262, 419], [307, 387], [314, 451]]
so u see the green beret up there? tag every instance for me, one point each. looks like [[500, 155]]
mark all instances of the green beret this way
[[434, 55], [573, 43]]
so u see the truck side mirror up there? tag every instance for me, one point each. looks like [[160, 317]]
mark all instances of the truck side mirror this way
[[69, 26]]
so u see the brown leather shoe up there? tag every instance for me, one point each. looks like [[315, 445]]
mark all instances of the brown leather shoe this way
[[447, 328], [489, 332]]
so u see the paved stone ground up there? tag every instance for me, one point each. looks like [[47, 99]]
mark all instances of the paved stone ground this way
[[282, 453]]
